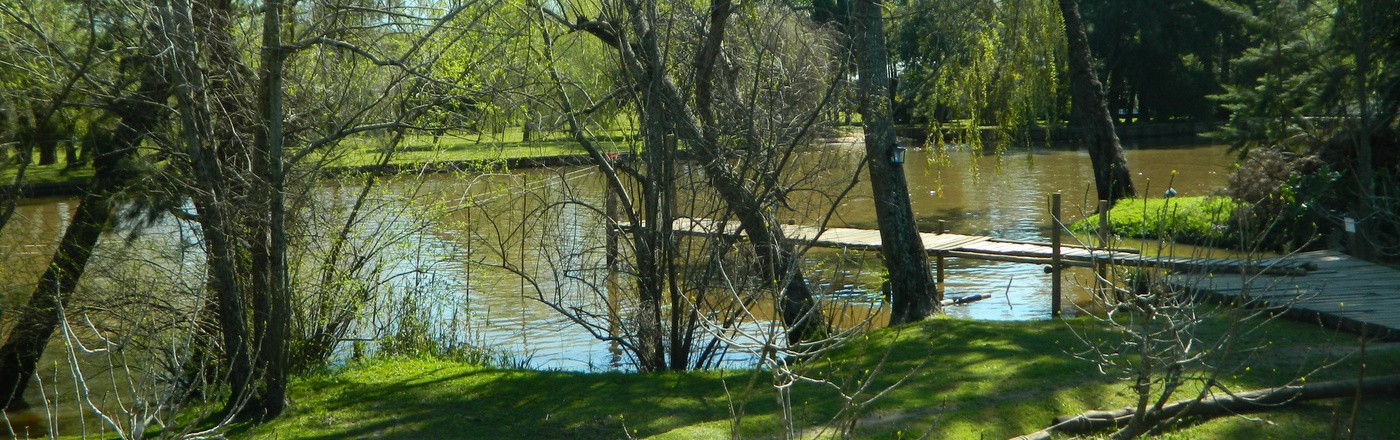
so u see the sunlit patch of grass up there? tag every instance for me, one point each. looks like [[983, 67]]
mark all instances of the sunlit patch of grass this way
[[467, 147], [1197, 220], [960, 379], [413, 149], [40, 174]]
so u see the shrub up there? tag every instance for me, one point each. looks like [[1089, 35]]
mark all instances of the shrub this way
[[1280, 195]]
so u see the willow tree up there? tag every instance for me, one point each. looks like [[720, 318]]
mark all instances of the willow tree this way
[[967, 65], [970, 64]]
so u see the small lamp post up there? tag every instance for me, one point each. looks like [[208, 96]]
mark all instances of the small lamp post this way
[[897, 154]]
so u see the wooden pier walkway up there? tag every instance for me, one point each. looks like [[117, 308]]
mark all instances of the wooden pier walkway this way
[[1339, 291], [947, 245], [1323, 286], [983, 248]]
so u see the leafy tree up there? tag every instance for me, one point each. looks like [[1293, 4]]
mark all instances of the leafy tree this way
[[139, 111], [232, 149], [1162, 60], [1320, 78], [244, 185], [967, 64]]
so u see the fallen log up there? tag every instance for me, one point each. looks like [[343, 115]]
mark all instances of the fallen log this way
[[964, 299], [1216, 406]]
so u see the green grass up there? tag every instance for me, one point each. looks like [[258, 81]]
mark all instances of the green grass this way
[[966, 379], [1191, 220], [35, 173], [472, 147], [414, 149]]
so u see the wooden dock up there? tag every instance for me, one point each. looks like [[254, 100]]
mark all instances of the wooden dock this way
[[1340, 291], [945, 245], [1324, 286]]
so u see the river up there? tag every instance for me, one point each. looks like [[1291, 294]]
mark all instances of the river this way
[[1001, 195]]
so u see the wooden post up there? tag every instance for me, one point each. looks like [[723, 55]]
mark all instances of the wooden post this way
[[939, 257], [1354, 242], [610, 207], [1101, 266], [470, 239], [1055, 254], [942, 229]]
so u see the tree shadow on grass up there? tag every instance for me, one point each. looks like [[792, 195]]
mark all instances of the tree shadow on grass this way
[[968, 379], [967, 372], [457, 401]]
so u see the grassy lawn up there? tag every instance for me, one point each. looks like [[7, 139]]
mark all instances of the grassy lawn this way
[[1191, 220], [414, 149], [472, 147], [35, 173], [965, 379]]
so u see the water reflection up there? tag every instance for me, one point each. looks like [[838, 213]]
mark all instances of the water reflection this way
[[459, 260]]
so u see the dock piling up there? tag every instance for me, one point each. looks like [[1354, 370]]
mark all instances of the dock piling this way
[[942, 229], [1101, 266], [610, 208], [1055, 254]]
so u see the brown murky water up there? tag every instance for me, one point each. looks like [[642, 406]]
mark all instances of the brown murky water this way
[[1003, 196]]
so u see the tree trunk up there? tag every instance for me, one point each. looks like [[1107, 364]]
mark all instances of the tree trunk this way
[[37, 322], [913, 292], [651, 239], [646, 233], [46, 139], [1111, 177], [223, 282], [778, 264], [642, 60], [70, 154], [210, 198], [1364, 205], [271, 298]]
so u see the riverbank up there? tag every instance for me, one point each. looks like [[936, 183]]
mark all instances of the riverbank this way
[[446, 154], [419, 153], [961, 379]]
